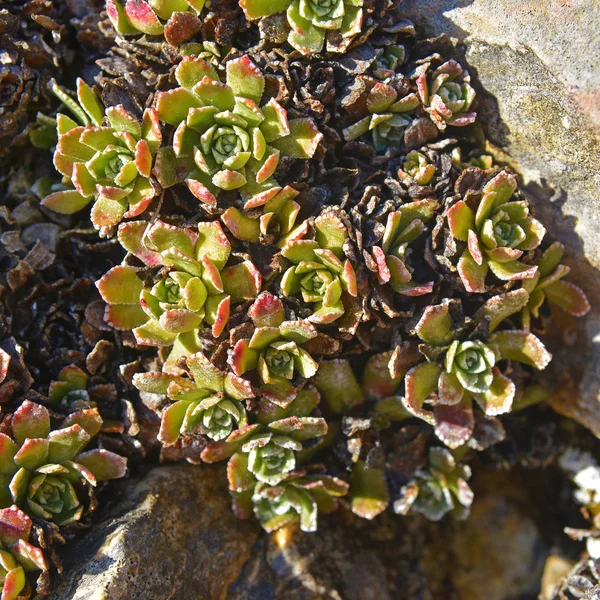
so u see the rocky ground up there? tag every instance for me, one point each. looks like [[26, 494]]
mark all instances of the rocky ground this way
[[541, 111]]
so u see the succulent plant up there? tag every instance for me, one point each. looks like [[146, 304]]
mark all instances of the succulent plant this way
[[388, 119], [439, 489], [447, 95], [267, 453], [497, 234], [70, 391], [17, 555], [548, 284], [196, 288], [109, 165], [275, 350], [229, 139], [467, 369], [417, 168], [318, 274], [211, 401], [388, 60], [42, 468], [156, 17], [277, 222], [311, 20], [297, 500], [390, 259]]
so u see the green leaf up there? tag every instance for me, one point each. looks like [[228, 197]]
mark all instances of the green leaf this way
[[8, 449], [472, 274], [120, 285], [245, 78], [302, 141], [460, 220], [116, 13], [103, 464], [369, 494], [502, 306], [267, 311], [212, 243], [142, 17], [338, 385], [66, 443], [205, 374], [255, 9], [569, 297], [304, 36], [499, 397], [241, 227], [173, 106], [192, 70], [241, 282], [521, 346], [435, 325], [90, 102], [30, 420], [420, 383], [66, 202], [122, 120], [125, 317], [215, 93]]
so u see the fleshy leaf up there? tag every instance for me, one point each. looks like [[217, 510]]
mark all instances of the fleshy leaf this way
[[369, 494], [30, 420], [435, 325], [103, 464], [120, 285], [521, 346]]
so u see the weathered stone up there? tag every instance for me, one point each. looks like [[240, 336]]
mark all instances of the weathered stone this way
[[535, 65], [170, 534]]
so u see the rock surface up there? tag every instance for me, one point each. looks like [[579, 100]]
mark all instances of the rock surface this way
[[537, 65], [170, 534]]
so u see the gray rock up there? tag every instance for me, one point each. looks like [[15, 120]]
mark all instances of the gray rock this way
[[170, 534], [537, 66]]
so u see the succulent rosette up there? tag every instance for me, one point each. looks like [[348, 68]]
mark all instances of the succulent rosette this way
[[43, 471], [447, 95], [313, 22], [485, 162], [276, 224], [389, 117], [390, 260], [318, 274], [17, 556], [548, 284], [468, 370], [417, 168], [107, 157], [231, 141], [210, 402], [388, 60], [297, 500], [497, 234], [275, 350], [70, 390], [196, 288], [265, 453], [439, 489], [156, 17]]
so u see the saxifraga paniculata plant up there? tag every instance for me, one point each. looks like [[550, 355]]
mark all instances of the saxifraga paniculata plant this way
[[302, 324]]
